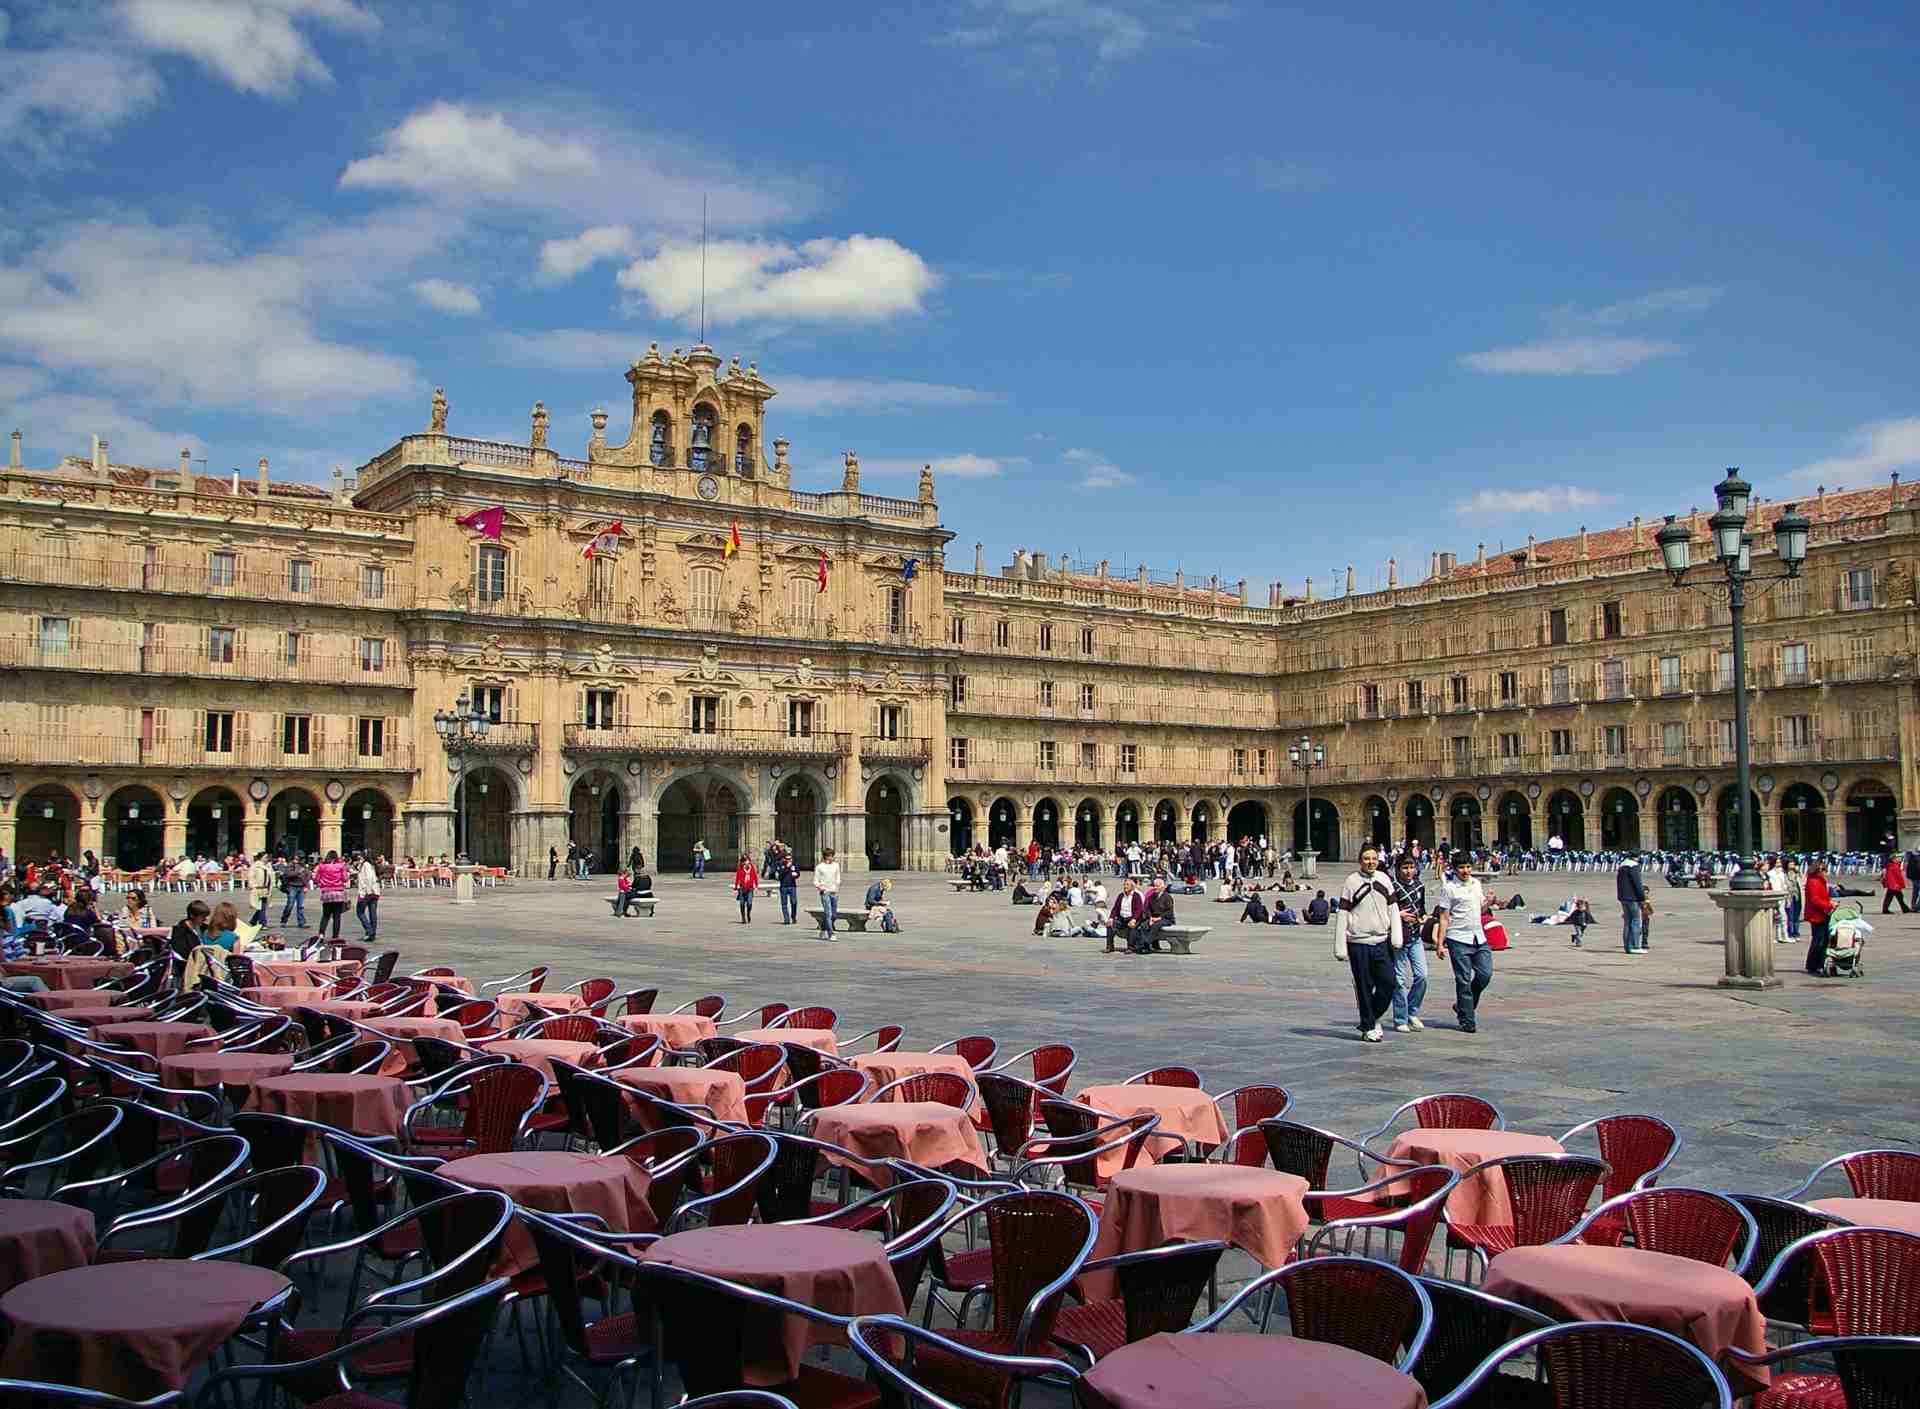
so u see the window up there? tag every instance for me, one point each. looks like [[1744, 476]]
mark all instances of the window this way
[[1086, 698], [1462, 750], [958, 686], [1086, 640], [1723, 730], [890, 719], [1557, 627], [1859, 588], [957, 753], [1509, 746], [896, 609], [1610, 620], [1046, 694], [1613, 740], [1415, 690], [1089, 755], [1796, 731], [1669, 675], [296, 734], [1046, 636], [703, 716], [372, 738], [702, 447], [373, 655], [219, 732], [1560, 678], [800, 719], [300, 576], [1003, 633], [222, 569], [1790, 597], [1129, 758], [490, 573], [55, 633], [957, 630], [1047, 755], [1457, 689], [743, 452], [1723, 671], [1509, 686], [800, 594], [490, 700], [1560, 742], [1673, 739], [373, 582], [1370, 701], [600, 580], [1793, 662], [600, 708], [220, 644], [1240, 763], [705, 594], [660, 439], [1613, 678], [1260, 762], [296, 646]]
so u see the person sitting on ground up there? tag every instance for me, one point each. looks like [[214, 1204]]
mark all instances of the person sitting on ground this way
[[1044, 916], [1287, 881], [1023, 896], [1096, 893], [1317, 910], [1096, 926], [1256, 911], [1283, 914]]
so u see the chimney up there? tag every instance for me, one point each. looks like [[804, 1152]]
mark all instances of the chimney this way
[[13, 452], [260, 477], [979, 560], [1393, 574], [1583, 542], [1433, 566], [1213, 585], [1019, 562], [1143, 578], [339, 484], [1349, 579], [1448, 562], [1820, 504], [1240, 591], [1636, 532], [1179, 581], [1273, 594], [1309, 589], [1066, 564], [186, 462], [100, 457], [1533, 557], [1104, 565], [1480, 558]]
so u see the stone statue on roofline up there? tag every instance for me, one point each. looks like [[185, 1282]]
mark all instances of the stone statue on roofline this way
[[850, 481], [540, 419], [437, 418], [926, 484]]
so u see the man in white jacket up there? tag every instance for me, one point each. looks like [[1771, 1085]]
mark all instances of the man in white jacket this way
[[1366, 932], [366, 905]]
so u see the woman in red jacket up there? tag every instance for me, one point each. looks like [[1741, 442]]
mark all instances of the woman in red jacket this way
[[1818, 912], [1894, 878], [746, 880]]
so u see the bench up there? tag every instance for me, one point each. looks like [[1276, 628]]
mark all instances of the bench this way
[[1180, 939], [855, 920], [968, 885], [633, 903]]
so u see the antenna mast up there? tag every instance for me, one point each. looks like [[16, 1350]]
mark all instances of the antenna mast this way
[[703, 267]]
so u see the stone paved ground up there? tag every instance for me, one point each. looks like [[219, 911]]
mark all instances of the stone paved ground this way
[[1762, 1085]]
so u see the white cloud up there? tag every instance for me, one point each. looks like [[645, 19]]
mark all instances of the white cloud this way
[[806, 396], [965, 465], [1878, 450], [47, 94], [1571, 357], [1534, 501], [561, 260], [1107, 30], [859, 279], [55, 424], [1097, 472], [1688, 300], [255, 45], [573, 349], [447, 296]]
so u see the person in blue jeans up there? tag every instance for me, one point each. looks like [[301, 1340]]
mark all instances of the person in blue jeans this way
[[293, 880], [699, 860], [1410, 960], [1462, 901], [1630, 887]]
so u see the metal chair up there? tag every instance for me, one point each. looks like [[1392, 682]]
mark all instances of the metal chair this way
[[1307, 1151], [1607, 1365], [534, 978], [1871, 1275], [1468, 1326], [977, 1051], [886, 1038], [502, 1101], [1442, 1110], [1051, 1063], [1410, 1203], [822, 1019], [1781, 1224], [1697, 1224], [1355, 1302], [569, 1258], [1637, 1149], [1158, 1289], [944, 1088], [1251, 1104], [1869, 1372], [1874, 1174], [1185, 1077], [872, 1339], [711, 1006], [1549, 1196]]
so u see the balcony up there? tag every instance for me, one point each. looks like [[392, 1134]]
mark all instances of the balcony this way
[[75, 748], [895, 749], [678, 741], [392, 591], [507, 736], [129, 658]]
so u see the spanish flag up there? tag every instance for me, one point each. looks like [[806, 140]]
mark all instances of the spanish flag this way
[[733, 541]]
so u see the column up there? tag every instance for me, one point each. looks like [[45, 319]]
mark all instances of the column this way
[[173, 829], [329, 830], [254, 833], [7, 826], [93, 832]]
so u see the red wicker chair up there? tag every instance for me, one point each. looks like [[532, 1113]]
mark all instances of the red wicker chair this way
[[572, 1263], [886, 1038], [1354, 1302], [1873, 1372], [1789, 1298], [1159, 1290], [1874, 1174], [532, 981], [1606, 1365], [658, 1153], [766, 1015], [1443, 1110], [636, 1002], [594, 993], [567, 1027], [1549, 1194], [501, 1103], [1011, 1106], [1872, 1275], [1468, 1326], [1697, 1224], [821, 1018], [758, 1065], [944, 1088], [735, 1166], [977, 1052], [1410, 1203], [1079, 1136], [476, 1019], [1245, 1145], [1185, 1077], [1052, 1063], [1637, 1149], [711, 1006], [876, 1338], [1307, 1151]]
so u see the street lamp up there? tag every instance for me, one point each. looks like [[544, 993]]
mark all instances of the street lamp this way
[[461, 729], [1733, 549], [1307, 756]]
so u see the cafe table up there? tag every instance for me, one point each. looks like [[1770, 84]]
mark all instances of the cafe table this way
[[516, 1008], [1183, 1111], [929, 1133], [1227, 1370], [1481, 1201], [888, 1067], [359, 1105], [205, 1069], [105, 1017], [1262, 1212], [677, 1030], [156, 1039], [58, 1000], [403, 1030], [39, 1236], [821, 1039], [1873, 1213], [62, 972], [298, 973], [539, 1052], [557, 1181], [722, 1092]]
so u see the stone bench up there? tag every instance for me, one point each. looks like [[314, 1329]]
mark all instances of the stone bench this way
[[854, 920], [633, 903], [1180, 939], [968, 885]]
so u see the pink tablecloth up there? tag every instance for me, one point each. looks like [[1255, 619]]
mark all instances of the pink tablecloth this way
[[359, 1105], [286, 995], [1183, 1111], [722, 1092], [538, 1053], [106, 1017], [404, 1030], [38, 1236], [680, 1030], [925, 1132], [516, 1008], [1873, 1213], [203, 1070], [888, 1067], [304, 973], [155, 1039], [57, 1000], [1228, 1371], [821, 1039], [552, 1181], [1261, 1211], [61, 973], [1482, 1200]]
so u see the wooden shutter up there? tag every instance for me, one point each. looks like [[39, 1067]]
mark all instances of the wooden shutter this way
[[510, 702], [390, 739]]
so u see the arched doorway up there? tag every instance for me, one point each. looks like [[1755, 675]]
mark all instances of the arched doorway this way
[[1420, 820], [1166, 824], [1803, 819], [1513, 822], [594, 810], [293, 822], [959, 826], [1871, 816], [1619, 821], [1326, 828], [1378, 820], [1203, 822], [1464, 831], [366, 823], [705, 808], [1086, 825], [797, 809], [1000, 828], [47, 823], [1679, 823], [1726, 819], [1046, 823], [1126, 823], [886, 836], [482, 818], [1567, 820], [216, 823], [1247, 820], [135, 833]]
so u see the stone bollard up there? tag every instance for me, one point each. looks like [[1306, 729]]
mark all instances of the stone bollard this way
[[1747, 916], [463, 884]]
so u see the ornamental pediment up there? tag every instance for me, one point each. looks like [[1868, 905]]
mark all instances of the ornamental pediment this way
[[703, 543]]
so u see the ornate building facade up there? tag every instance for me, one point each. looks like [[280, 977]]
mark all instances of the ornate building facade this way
[[198, 664]]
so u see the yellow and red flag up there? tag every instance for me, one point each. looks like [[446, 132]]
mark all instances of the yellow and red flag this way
[[733, 541]]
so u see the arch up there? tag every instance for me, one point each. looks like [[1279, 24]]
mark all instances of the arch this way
[[660, 439], [1166, 820], [1619, 821], [216, 822], [1377, 820], [1126, 822], [483, 807], [366, 823], [1202, 822], [1727, 824], [700, 447], [1248, 819], [1872, 816], [134, 832], [700, 806], [1046, 823], [1089, 824], [1513, 821], [887, 805], [1326, 828], [293, 822], [1803, 818], [596, 810], [1001, 828], [1465, 829], [1567, 819], [1678, 820], [959, 826], [47, 823], [743, 450], [798, 806], [1419, 820]]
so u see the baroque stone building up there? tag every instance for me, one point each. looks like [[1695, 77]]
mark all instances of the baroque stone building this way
[[195, 664]]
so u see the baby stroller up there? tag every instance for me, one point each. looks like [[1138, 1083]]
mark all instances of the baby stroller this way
[[1846, 944]]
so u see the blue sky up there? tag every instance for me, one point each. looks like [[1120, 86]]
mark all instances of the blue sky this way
[[1242, 288]]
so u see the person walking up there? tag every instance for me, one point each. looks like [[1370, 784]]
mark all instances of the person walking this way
[[1894, 881], [788, 875], [330, 879], [553, 862], [1819, 913], [1410, 962], [293, 880], [260, 887], [700, 855], [1366, 932], [1630, 888], [746, 883], [826, 884], [1796, 900], [1464, 941], [366, 904]]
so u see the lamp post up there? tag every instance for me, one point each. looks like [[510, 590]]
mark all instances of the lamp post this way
[[460, 729], [1733, 548], [1307, 756]]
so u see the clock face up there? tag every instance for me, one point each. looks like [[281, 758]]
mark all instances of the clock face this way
[[709, 487]]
